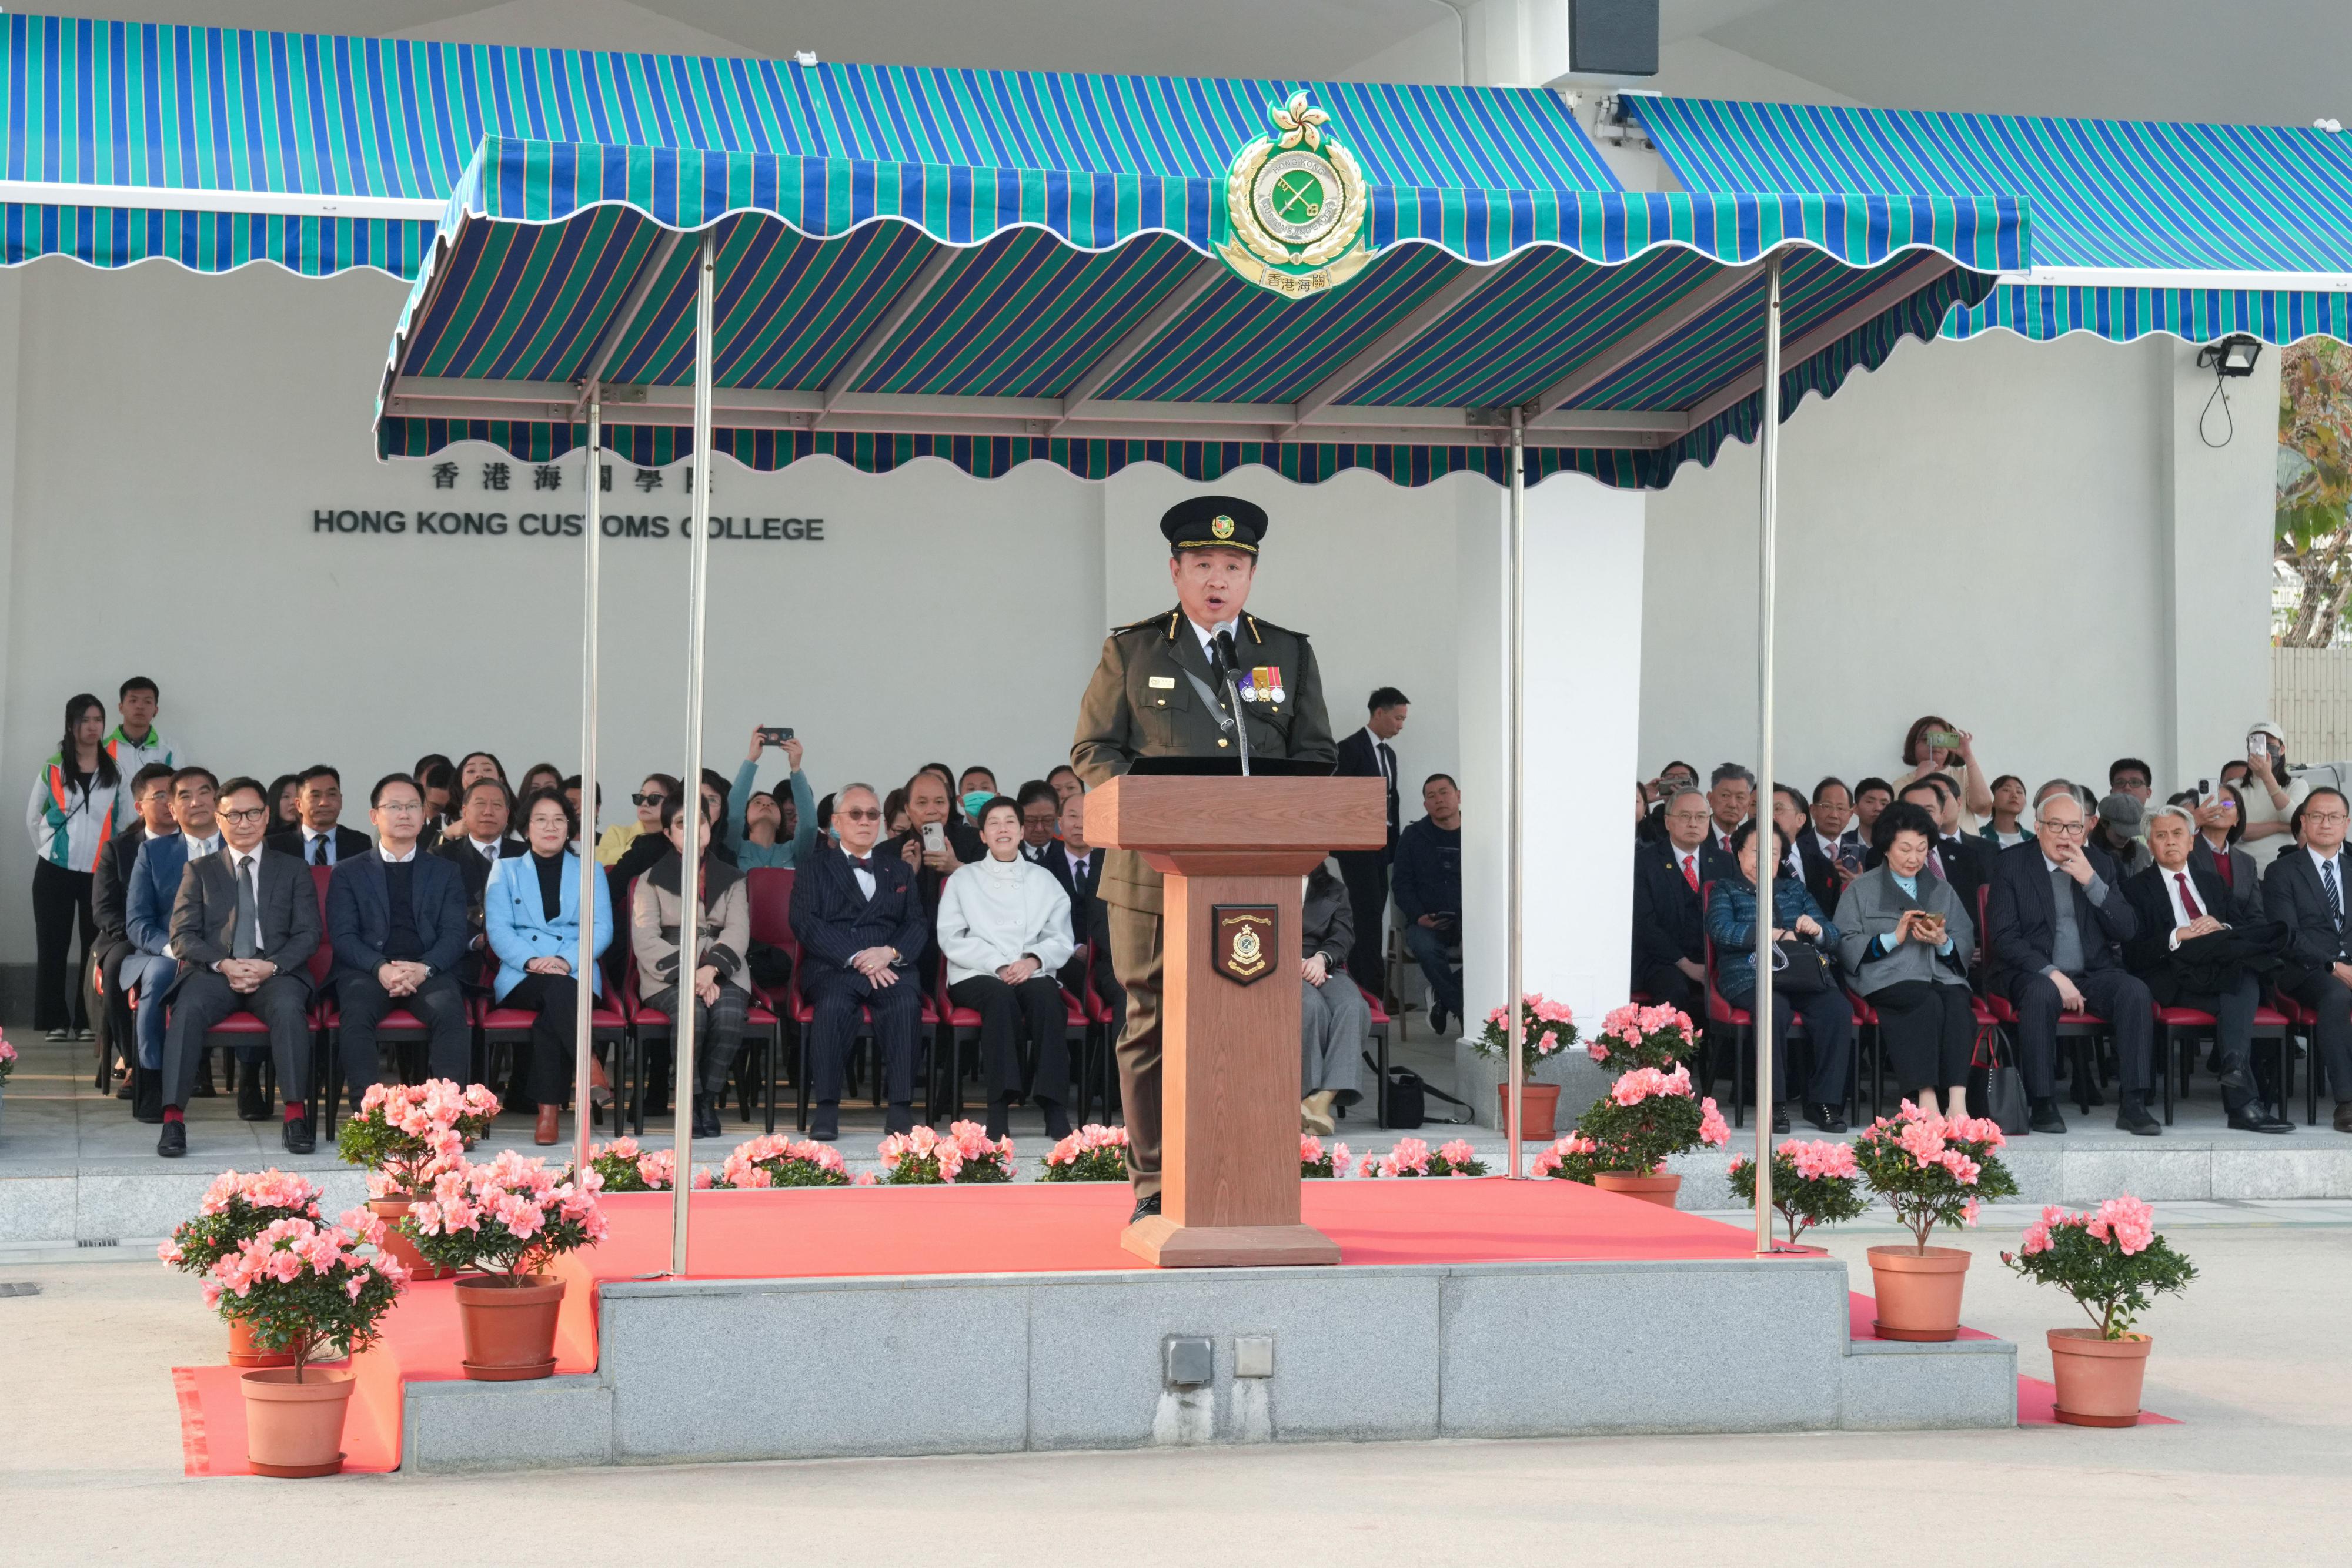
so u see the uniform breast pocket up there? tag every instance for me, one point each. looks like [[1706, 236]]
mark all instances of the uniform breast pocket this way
[[1160, 712]]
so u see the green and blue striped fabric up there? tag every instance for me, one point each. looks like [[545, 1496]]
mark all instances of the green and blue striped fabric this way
[[543, 241], [2104, 193]]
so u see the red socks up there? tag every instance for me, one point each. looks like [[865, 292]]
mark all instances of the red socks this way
[[173, 1113], [295, 1112]]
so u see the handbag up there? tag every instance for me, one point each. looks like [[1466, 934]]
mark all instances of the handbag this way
[[1404, 1101], [1996, 1088], [1800, 968]]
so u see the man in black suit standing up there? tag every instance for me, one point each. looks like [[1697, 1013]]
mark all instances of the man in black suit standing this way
[[479, 843], [861, 926], [1078, 866], [321, 839], [2304, 889], [2195, 935], [1669, 924], [2054, 930], [244, 927], [397, 919], [1366, 754]]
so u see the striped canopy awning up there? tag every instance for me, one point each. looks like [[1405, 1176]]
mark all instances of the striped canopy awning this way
[[993, 316], [2197, 231]]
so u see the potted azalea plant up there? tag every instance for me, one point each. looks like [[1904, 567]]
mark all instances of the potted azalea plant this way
[[965, 1156], [405, 1135], [1415, 1157], [1320, 1164], [1573, 1158], [1812, 1184], [7, 1066], [297, 1287], [1547, 1028], [507, 1220], [1932, 1170], [774, 1160], [622, 1166], [1647, 1115], [2113, 1264], [1635, 1036], [234, 1210], [1093, 1153]]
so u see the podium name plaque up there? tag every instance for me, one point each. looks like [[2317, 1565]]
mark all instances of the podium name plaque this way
[[1234, 852]]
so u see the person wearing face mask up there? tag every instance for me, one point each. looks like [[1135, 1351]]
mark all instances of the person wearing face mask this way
[[1904, 938], [2271, 793], [722, 943], [1004, 928], [531, 910]]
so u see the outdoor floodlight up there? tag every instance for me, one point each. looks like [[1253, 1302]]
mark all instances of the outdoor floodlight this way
[[2233, 356]]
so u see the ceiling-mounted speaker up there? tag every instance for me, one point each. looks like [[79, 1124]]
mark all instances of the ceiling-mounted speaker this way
[[1612, 38]]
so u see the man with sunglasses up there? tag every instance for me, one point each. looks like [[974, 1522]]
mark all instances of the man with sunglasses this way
[[2054, 932]]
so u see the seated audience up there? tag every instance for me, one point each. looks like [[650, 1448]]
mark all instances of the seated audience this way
[[1004, 928], [934, 844], [1871, 796], [2130, 775], [396, 920], [1731, 799], [1066, 784], [439, 782], [2305, 889], [1790, 815], [1964, 863], [149, 967], [1671, 779], [2053, 933], [479, 842], [1041, 819], [1905, 939], [285, 804], [896, 818], [861, 925], [477, 765], [2117, 831], [2220, 823], [1427, 886], [722, 995], [540, 776], [1935, 745], [975, 788], [616, 840], [1338, 1021], [1669, 926], [531, 907], [243, 926], [321, 839], [1078, 867], [1806, 987], [1830, 850], [2002, 830], [755, 832], [2196, 942], [110, 902]]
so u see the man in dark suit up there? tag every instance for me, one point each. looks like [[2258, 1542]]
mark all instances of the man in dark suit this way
[[1829, 841], [1041, 820], [1366, 754], [479, 843], [2053, 930], [397, 920], [321, 839], [244, 926], [861, 925], [149, 965], [2194, 934], [927, 804], [1078, 866], [1669, 924], [151, 796], [2305, 889]]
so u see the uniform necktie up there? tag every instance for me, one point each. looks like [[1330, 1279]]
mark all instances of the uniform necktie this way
[[2188, 899], [1690, 871], [246, 942]]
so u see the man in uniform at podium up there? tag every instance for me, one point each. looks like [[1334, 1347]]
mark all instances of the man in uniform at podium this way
[[1167, 687]]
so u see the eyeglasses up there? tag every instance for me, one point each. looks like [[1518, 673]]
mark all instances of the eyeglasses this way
[[2324, 817], [251, 814], [860, 814], [656, 799], [401, 808], [2070, 827]]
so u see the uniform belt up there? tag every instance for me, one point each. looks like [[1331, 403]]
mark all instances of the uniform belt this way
[[1216, 704]]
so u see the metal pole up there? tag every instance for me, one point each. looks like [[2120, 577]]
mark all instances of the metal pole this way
[[1767, 863], [689, 882], [1514, 875], [584, 1031]]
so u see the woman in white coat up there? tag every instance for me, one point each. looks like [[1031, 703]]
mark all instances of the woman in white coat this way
[[1004, 928]]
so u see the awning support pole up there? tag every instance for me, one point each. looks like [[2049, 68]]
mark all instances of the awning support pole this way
[[1514, 873], [584, 968], [1768, 863], [689, 882]]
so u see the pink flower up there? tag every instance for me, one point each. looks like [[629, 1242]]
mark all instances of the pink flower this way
[[864, 1178], [1711, 1127], [1310, 1148], [1458, 1152], [1339, 1159], [2131, 1222]]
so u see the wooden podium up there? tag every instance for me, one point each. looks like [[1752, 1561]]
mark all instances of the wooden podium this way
[[1234, 852]]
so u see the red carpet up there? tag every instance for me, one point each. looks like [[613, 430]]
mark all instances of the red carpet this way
[[1017, 1228]]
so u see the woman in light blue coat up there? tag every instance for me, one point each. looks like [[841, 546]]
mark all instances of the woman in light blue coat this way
[[530, 913]]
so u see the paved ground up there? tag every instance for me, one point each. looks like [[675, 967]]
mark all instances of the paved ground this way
[[2250, 1360]]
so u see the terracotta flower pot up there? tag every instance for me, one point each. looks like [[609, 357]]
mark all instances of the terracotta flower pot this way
[[1918, 1293], [295, 1429], [510, 1326], [243, 1351], [1538, 1110], [2098, 1379], [397, 1246], [1659, 1186]]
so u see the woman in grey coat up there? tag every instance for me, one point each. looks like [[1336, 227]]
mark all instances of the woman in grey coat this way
[[1338, 1021], [1905, 940]]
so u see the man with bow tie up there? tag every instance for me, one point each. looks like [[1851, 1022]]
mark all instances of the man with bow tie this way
[[861, 925]]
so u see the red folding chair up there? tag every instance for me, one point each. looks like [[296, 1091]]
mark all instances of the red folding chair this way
[[962, 1025], [1380, 1033], [2081, 1033], [769, 892], [508, 1027], [771, 906], [2181, 1027], [646, 1024]]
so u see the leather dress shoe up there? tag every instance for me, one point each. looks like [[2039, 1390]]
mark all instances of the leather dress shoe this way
[[173, 1141], [1825, 1118], [2256, 1117], [1144, 1208], [1058, 1120], [250, 1105], [2045, 1117], [900, 1118], [2343, 1115], [297, 1135], [549, 1125], [2131, 1117], [825, 1125], [1780, 1118]]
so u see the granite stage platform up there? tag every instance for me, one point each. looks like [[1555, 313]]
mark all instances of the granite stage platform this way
[[822, 1324]]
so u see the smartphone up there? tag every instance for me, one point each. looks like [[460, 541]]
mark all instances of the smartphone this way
[[935, 839], [770, 736], [1946, 738], [2204, 788]]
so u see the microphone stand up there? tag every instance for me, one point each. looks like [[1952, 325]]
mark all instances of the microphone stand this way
[[1228, 672]]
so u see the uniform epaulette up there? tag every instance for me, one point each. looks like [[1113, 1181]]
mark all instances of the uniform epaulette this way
[[1147, 624]]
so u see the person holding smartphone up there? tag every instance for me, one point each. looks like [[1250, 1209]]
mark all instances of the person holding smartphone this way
[[934, 844], [1935, 745], [1905, 940], [2272, 797], [754, 823]]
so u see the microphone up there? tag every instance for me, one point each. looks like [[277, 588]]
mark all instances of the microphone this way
[[1229, 663], [1229, 670]]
